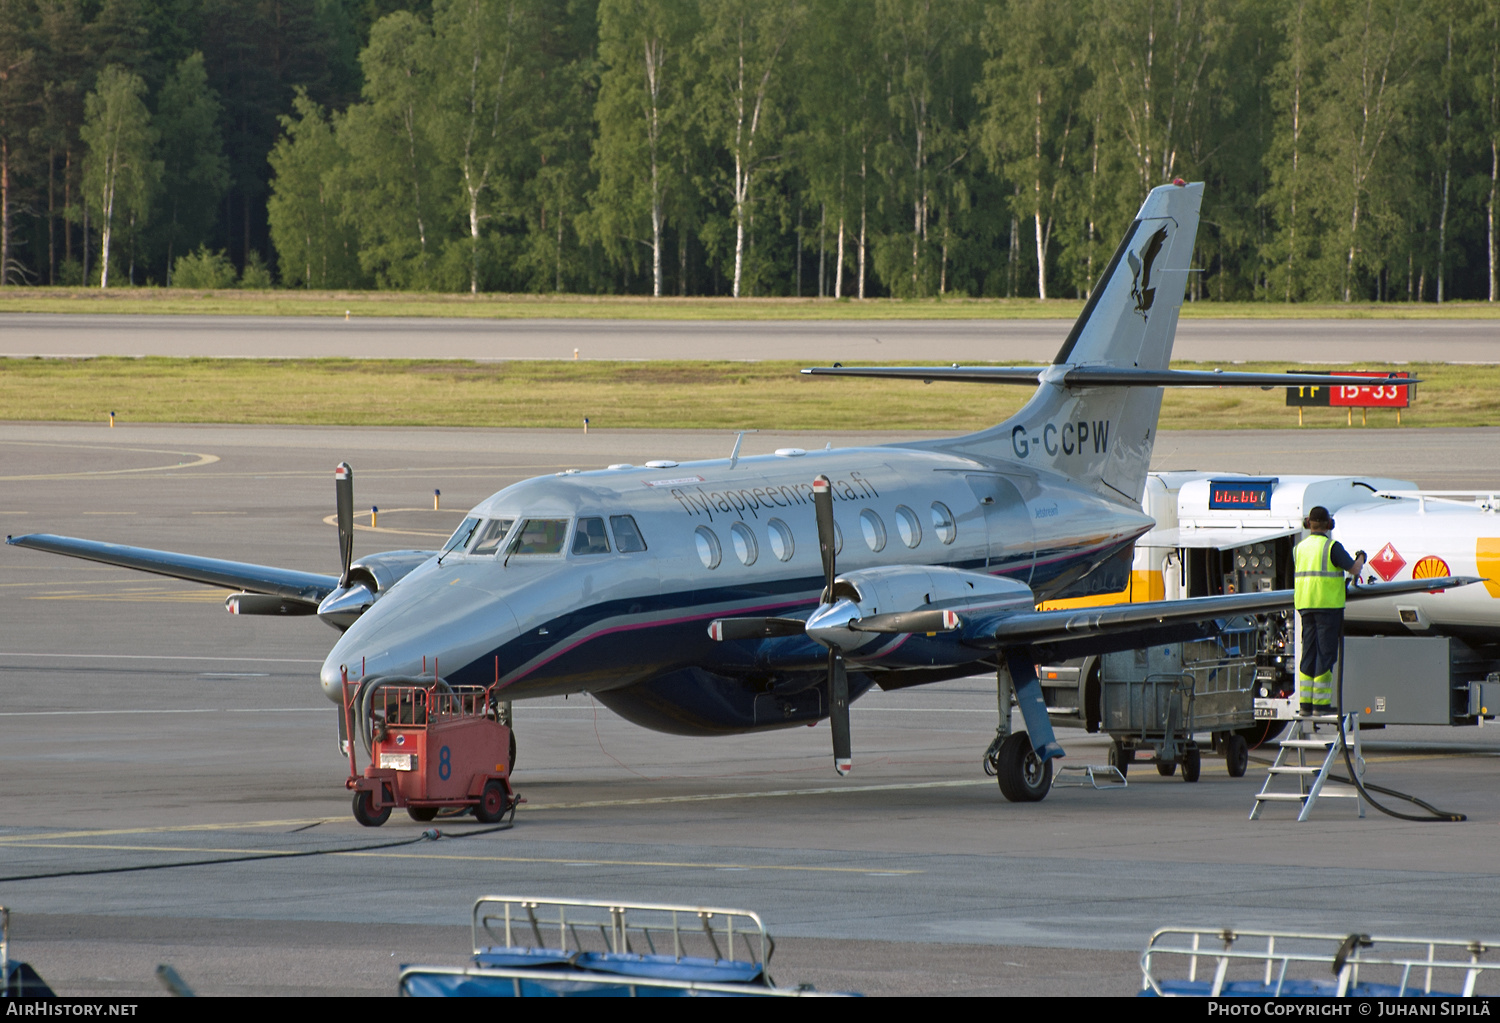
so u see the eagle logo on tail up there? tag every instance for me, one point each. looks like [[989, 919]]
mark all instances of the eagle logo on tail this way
[[1140, 288]]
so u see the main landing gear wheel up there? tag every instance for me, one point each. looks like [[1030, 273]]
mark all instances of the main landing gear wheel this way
[[1192, 763], [1236, 755], [493, 803], [1120, 758], [1024, 777], [365, 812], [421, 813]]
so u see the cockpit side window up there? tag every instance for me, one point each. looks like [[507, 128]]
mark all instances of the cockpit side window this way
[[589, 537], [460, 537], [539, 536], [490, 535], [628, 539]]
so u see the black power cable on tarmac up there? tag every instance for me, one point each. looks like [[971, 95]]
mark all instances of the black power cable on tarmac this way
[[1433, 813], [429, 835]]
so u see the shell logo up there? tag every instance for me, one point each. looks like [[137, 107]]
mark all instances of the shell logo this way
[[1430, 567]]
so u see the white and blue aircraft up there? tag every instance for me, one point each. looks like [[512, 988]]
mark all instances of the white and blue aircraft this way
[[762, 592]]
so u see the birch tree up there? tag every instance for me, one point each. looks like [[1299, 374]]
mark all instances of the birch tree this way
[[743, 49], [313, 246], [484, 50], [195, 172], [119, 171], [391, 179], [643, 50], [1032, 89]]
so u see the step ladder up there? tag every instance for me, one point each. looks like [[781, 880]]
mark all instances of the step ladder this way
[[1315, 780]]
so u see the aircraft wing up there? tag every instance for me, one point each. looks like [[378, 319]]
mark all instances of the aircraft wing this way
[[305, 587], [1090, 625], [1101, 376]]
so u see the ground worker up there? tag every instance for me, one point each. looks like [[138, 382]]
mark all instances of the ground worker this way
[[1320, 563]]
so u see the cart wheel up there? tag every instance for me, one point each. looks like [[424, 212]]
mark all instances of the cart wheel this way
[[512, 750], [1120, 758], [365, 812], [1166, 768], [492, 803], [421, 813], [1192, 762], [1236, 755], [1024, 777]]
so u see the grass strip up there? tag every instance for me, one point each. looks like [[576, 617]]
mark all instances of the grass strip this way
[[655, 395], [178, 301]]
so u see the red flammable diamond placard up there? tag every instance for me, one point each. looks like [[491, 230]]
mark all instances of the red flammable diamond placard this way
[[1387, 562]]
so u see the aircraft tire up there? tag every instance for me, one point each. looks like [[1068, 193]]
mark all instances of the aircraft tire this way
[[421, 813], [492, 803], [1023, 777], [1192, 763], [1236, 755], [365, 812]]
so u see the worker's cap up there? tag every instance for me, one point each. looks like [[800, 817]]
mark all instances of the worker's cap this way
[[1319, 516]]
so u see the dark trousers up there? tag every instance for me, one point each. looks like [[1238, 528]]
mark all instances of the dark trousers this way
[[1321, 629]]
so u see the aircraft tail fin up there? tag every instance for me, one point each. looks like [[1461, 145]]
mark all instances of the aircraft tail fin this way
[[1101, 433]]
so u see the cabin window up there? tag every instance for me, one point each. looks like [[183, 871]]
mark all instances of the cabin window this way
[[780, 535], [709, 551], [873, 529], [628, 538], [908, 526], [589, 537], [490, 535], [744, 543], [942, 522], [461, 535], [540, 536]]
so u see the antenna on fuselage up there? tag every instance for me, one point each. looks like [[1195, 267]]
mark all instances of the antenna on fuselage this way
[[734, 456]]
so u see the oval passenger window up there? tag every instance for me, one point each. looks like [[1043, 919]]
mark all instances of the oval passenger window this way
[[709, 551]]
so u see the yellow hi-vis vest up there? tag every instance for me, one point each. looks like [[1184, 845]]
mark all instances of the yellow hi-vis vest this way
[[1319, 584]]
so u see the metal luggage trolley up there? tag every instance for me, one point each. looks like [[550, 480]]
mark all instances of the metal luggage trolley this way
[[1161, 697], [528, 947], [1225, 963]]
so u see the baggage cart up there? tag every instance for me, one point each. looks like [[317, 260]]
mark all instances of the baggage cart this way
[[1159, 699], [531, 947]]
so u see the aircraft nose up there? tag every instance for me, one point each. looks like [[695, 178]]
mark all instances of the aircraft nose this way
[[438, 622]]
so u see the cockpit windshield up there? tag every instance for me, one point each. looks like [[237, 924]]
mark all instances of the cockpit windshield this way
[[460, 537], [539, 536], [490, 536]]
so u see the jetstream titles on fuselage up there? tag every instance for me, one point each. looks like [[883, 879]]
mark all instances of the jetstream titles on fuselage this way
[[1069, 438], [851, 486]]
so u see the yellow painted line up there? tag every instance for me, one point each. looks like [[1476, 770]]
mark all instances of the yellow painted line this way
[[586, 861], [332, 520], [555, 860], [770, 794], [172, 829], [199, 460]]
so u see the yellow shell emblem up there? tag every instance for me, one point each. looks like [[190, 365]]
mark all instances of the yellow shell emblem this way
[[1430, 568]]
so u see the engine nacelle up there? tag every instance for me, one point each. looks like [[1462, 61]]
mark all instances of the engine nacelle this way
[[369, 578]]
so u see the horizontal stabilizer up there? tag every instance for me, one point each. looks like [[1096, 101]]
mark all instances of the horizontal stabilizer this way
[[1105, 376], [305, 587]]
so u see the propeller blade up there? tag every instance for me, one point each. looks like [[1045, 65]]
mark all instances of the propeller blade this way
[[838, 713], [721, 629], [343, 492], [823, 507], [908, 621]]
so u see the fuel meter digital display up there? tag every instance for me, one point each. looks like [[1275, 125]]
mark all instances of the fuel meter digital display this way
[[1248, 494]]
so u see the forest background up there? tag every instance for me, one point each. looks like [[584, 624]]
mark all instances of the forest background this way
[[838, 148]]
